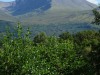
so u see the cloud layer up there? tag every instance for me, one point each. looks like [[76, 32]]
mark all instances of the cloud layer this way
[[93, 1]]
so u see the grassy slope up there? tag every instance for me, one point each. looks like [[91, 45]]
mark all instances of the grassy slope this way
[[55, 22], [6, 16], [57, 17]]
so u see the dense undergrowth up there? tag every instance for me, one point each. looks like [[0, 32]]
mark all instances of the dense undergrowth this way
[[68, 54]]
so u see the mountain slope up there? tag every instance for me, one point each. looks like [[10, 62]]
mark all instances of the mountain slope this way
[[25, 6], [72, 4], [6, 16], [5, 5], [4, 13]]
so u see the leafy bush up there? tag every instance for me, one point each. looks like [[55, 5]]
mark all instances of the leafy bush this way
[[20, 56]]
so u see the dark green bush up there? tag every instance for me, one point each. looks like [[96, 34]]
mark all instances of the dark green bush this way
[[40, 38], [65, 36]]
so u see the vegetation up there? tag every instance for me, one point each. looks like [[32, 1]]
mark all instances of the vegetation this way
[[97, 17], [68, 54]]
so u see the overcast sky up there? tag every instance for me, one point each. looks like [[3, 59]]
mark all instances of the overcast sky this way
[[6, 0], [92, 1]]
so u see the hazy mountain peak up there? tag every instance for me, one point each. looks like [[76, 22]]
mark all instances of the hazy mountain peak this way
[[20, 7]]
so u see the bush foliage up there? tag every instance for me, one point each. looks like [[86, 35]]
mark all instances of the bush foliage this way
[[68, 54]]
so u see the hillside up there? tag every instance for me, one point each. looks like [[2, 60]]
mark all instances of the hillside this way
[[72, 5], [53, 16], [52, 11], [6, 16], [5, 13]]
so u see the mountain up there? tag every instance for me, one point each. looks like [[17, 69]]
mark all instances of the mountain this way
[[52, 11], [4, 13], [4, 5], [72, 4], [24, 6], [52, 16], [6, 16]]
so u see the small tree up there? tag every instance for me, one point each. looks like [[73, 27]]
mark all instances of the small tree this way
[[97, 17], [40, 38]]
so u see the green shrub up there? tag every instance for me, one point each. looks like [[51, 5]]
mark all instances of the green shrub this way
[[40, 38]]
